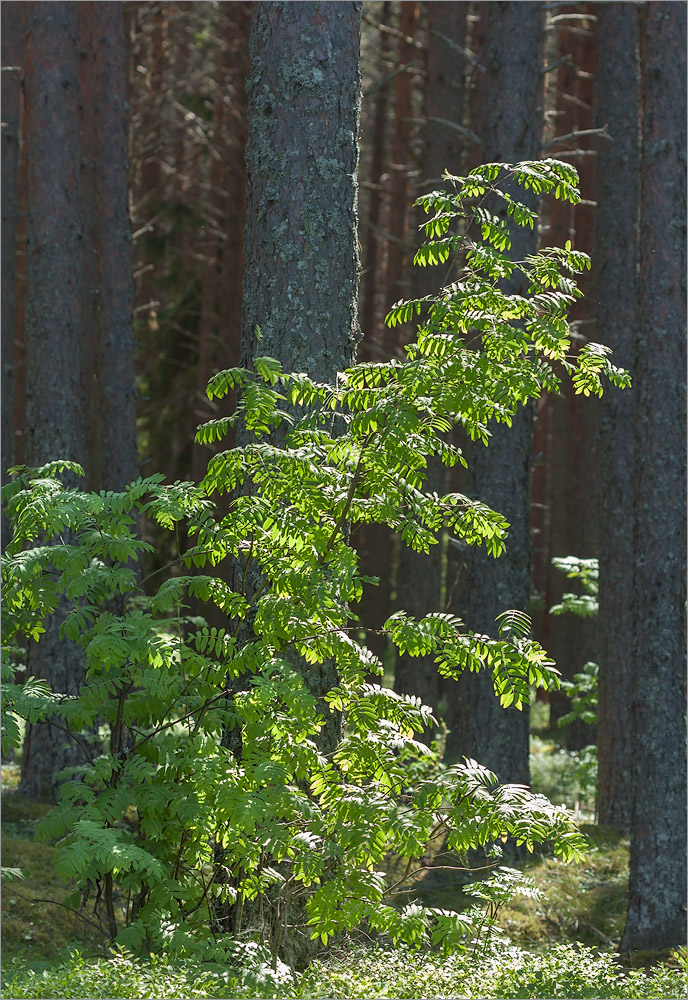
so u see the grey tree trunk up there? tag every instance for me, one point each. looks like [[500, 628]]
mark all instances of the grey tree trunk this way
[[500, 475], [657, 887], [301, 263], [113, 459], [79, 322], [300, 247], [301, 253], [12, 58], [56, 398], [419, 576], [615, 263]]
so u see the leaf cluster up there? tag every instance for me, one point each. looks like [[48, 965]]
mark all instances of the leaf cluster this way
[[217, 787]]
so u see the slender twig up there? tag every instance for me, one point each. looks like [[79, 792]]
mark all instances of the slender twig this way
[[435, 868], [455, 47], [56, 902], [68, 731], [556, 64], [388, 30], [571, 17], [387, 237], [175, 722], [390, 76], [576, 134], [461, 129], [355, 479]]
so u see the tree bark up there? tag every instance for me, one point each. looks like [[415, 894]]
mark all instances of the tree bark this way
[[219, 332], [12, 59], [301, 251], [615, 262], [116, 397], [657, 878], [301, 255], [500, 474], [80, 363], [56, 396]]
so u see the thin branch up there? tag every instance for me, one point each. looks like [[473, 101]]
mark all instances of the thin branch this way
[[577, 134], [68, 731], [576, 152], [356, 478], [571, 17], [550, 68], [394, 32], [468, 56], [570, 99], [56, 902], [175, 722], [461, 129], [571, 29], [390, 76], [435, 868], [367, 224]]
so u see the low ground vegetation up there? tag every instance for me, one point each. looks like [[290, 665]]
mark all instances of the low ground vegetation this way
[[566, 971], [50, 952]]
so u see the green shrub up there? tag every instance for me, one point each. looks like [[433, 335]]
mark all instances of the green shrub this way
[[234, 799], [566, 971]]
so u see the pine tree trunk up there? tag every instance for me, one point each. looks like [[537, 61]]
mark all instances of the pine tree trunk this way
[[220, 320], [301, 250], [56, 397], [116, 397], [500, 474], [12, 59], [399, 209], [615, 260], [657, 878], [301, 255], [80, 361]]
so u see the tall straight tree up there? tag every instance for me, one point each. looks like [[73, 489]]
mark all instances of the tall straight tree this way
[[565, 429], [301, 262], [419, 576], [615, 263], [500, 474], [300, 248], [373, 541], [12, 57], [112, 460], [56, 406], [657, 876], [402, 158], [79, 341]]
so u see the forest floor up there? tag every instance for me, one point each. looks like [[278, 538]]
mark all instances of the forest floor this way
[[582, 903]]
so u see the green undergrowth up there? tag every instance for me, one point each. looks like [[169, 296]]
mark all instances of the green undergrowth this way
[[566, 971], [531, 954], [584, 902]]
